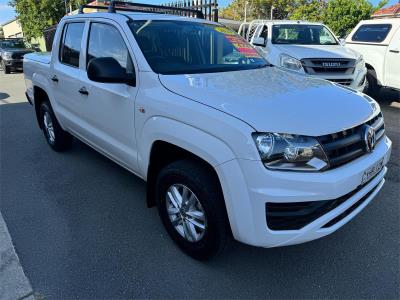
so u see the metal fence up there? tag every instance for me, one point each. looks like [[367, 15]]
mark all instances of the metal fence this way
[[209, 8], [48, 35]]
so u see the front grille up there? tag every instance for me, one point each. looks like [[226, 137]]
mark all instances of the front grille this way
[[18, 55], [347, 145], [296, 215], [319, 66], [342, 81]]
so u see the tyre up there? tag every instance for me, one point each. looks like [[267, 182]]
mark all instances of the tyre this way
[[372, 88], [192, 209], [56, 137], [4, 68]]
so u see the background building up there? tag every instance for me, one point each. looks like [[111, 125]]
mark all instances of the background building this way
[[388, 12]]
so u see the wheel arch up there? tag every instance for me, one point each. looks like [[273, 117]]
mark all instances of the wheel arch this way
[[165, 140], [40, 96]]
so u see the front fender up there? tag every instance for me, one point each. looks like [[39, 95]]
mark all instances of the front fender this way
[[187, 137]]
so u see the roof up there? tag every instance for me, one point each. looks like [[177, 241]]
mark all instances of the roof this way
[[138, 16], [391, 11], [8, 22]]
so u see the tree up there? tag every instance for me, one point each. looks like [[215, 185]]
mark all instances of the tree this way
[[310, 10], [340, 15], [35, 15], [1, 32], [343, 15], [258, 9]]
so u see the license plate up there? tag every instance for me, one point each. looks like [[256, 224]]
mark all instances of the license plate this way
[[372, 171]]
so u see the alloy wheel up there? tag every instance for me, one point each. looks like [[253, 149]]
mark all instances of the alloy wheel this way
[[186, 212], [48, 127]]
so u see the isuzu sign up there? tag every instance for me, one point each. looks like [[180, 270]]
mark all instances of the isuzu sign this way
[[331, 64]]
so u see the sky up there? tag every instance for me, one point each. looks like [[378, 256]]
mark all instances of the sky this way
[[7, 13]]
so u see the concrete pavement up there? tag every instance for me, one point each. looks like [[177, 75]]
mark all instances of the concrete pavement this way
[[13, 282], [12, 88]]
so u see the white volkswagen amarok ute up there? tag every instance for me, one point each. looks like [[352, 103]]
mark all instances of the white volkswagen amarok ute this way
[[228, 144]]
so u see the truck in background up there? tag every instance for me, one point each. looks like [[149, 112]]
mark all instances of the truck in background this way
[[307, 48], [379, 42]]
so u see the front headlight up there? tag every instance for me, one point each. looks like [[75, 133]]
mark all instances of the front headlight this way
[[291, 63], [7, 55], [360, 63], [290, 152]]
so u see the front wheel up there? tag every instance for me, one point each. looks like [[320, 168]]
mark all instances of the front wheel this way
[[371, 87], [56, 137], [191, 207], [4, 68]]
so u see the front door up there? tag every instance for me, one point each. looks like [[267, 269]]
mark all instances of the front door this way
[[108, 109], [392, 65]]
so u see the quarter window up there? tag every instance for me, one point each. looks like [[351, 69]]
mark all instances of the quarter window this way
[[374, 33], [106, 41], [71, 44]]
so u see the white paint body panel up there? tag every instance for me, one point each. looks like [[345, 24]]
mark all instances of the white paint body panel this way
[[380, 56], [213, 116]]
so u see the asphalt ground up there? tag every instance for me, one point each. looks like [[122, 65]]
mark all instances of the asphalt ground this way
[[81, 229]]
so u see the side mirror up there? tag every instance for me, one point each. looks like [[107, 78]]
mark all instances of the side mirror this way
[[342, 41], [259, 41], [108, 70]]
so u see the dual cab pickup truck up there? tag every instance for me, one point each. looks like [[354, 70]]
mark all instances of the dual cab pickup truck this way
[[228, 144], [379, 42], [307, 48], [12, 52]]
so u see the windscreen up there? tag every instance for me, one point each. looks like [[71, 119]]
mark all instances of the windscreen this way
[[183, 47], [302, 34], [12, 44]]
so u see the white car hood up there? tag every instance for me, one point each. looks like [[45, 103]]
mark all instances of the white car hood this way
[[273, 100], [317, 51]]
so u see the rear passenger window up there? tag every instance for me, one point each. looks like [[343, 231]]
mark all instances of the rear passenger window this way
[[373, 33], [71, 44], [106, 41]]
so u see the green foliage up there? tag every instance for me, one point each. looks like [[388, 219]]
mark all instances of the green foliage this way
[[258, 9], [310, 10], [36, 15], [343, 15], [340, 15], [1, 32]]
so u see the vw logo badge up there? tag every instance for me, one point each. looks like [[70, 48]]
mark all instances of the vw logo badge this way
[[369, 138]]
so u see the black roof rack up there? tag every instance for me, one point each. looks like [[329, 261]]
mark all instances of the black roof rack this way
[[142, 7]]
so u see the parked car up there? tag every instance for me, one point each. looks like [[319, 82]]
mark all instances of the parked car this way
[[12, 52], [379, 42], [226, 143], [307, 48]]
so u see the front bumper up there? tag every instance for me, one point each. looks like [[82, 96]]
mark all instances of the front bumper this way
[[248, 186], [355, 81], [15, 64]]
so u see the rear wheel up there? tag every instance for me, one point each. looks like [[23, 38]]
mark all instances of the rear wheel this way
[[371, 87], [56, 137], [191, 207]]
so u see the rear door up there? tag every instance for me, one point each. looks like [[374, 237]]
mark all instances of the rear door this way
[[108, 109], [392, 63], [65, 74]]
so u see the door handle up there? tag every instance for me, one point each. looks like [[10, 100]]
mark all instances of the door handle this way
[[394, 51], [83, 91], [54, 78]]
